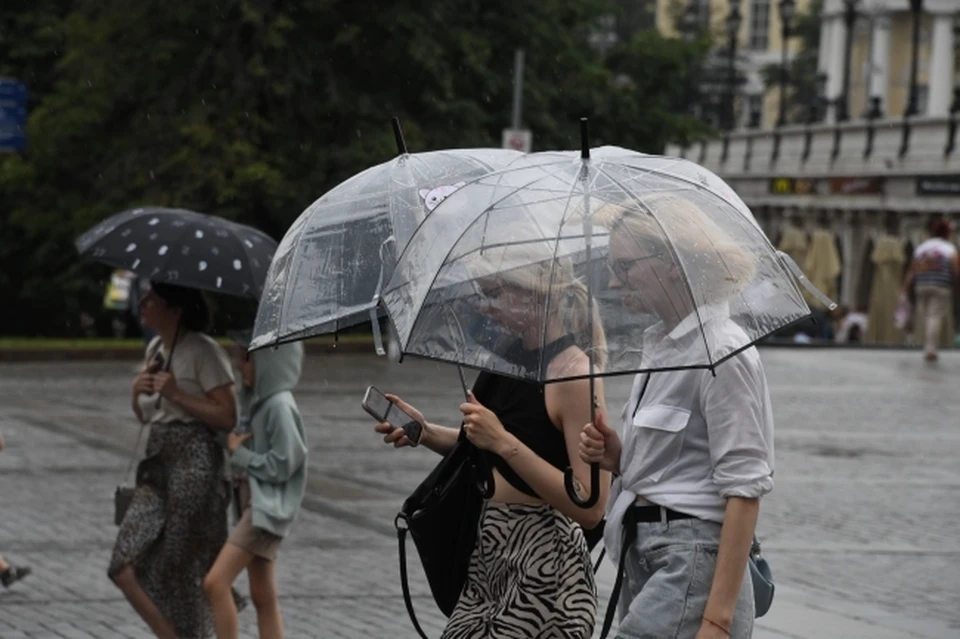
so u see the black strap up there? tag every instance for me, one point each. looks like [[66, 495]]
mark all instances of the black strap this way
[[629, 536], [401, 540]]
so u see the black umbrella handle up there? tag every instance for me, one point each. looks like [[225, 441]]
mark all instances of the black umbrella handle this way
[[569, 482]]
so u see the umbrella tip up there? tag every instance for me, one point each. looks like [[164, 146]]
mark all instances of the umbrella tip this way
[[398, 136], [584, 140]]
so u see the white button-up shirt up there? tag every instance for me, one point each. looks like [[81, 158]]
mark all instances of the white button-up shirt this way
[[694, 438]]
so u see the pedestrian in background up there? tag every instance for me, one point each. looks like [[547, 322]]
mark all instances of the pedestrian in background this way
[[934, 271], [9, 575], [272, 459]]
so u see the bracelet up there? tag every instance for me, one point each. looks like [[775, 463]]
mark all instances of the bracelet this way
[[714, 623]]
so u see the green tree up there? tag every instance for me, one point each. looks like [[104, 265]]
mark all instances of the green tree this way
[[251, 109]]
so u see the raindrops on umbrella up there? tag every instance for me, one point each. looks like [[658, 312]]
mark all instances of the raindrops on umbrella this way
[[136, 263], [198, 234], [202, 266], [154, 221], [163, 250], [131, 247], [219, 282], [237, 265]]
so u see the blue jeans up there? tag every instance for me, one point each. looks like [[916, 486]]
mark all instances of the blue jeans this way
[[668, 576]]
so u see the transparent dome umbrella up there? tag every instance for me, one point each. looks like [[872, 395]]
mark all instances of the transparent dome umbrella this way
[[558, 244], [333, 261], [177, 246]]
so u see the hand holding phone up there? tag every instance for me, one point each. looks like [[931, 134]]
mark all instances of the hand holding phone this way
[[405, 417]]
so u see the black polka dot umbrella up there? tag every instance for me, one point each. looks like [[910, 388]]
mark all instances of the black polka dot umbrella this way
[[181, 247]]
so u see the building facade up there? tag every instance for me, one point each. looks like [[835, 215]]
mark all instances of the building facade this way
[[878, 153]]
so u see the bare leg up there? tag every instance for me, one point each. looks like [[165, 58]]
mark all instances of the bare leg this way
[[218, 586], [3, 565], [127, 582], [263, 591]]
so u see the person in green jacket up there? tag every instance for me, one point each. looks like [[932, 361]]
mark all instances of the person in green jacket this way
[[272, 460]]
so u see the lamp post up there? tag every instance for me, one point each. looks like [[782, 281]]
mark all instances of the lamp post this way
[[849, 19], [788, 9], [913, 103], [734, 20], [690, 27]]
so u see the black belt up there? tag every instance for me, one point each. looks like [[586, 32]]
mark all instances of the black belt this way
[[650, 514]]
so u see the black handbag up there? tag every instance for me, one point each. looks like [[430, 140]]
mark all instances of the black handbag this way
[[442, 516]]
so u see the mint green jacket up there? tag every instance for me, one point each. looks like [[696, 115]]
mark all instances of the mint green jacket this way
[[275, 458]]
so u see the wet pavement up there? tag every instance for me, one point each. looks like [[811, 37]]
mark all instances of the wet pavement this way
[[862, 530]]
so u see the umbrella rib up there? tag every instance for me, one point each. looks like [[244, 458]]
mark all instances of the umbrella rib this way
[[553, 263], [453, 245], [673, 251], [500, 175]]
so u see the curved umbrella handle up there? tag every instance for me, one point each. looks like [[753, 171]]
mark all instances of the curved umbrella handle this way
[[569, 484]]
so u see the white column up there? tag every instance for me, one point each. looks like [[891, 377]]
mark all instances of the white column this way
[[940, 79], [826, 33], [880, 60], [838, 42]]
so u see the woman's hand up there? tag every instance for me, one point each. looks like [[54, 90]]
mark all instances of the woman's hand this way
[[166, 385], [484, 429], [143, 383], [395, 435], [235, 441], [600, 443]]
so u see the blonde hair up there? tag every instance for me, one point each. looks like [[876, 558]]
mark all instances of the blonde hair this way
[[534, 267], [724, 267]]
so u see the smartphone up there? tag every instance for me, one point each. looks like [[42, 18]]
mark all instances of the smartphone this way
[[382, 409]]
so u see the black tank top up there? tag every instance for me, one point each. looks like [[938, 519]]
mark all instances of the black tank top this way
[[521, 407]]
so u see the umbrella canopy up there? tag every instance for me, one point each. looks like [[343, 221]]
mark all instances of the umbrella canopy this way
[[527, 253], [181, 247], [333, 261]]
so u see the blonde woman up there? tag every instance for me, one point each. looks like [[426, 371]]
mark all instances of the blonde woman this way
[[530, 574], [697, 452]]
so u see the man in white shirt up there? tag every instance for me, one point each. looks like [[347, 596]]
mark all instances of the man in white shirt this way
[[697, 449]]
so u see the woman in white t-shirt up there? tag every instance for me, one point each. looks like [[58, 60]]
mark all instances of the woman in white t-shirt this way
[[935, 271], [176, 523]]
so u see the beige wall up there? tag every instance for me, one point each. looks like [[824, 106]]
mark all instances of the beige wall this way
[[898, 69], [718, 15]]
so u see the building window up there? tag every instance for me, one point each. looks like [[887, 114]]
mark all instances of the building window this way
[[759, 25]]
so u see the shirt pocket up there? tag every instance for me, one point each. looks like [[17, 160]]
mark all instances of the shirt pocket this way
[[659, 432]]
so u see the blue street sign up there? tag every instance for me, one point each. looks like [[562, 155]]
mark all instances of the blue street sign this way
[[13, 115]]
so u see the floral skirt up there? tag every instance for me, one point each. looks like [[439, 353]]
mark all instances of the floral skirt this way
[[176, 523]]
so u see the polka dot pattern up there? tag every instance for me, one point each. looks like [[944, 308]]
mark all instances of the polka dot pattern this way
[[183, 247]]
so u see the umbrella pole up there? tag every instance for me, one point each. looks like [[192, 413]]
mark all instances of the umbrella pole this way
[[398, 136], [569, 481]]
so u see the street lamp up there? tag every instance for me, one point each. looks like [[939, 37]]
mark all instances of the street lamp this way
[[788, 9], [734, 20], [849, 19], [913, 103]]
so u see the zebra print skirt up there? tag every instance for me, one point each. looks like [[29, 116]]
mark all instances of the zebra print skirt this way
[[530, 576]]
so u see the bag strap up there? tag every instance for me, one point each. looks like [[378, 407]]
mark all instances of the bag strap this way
[[151, 353], [629, 536], [401, 542]]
